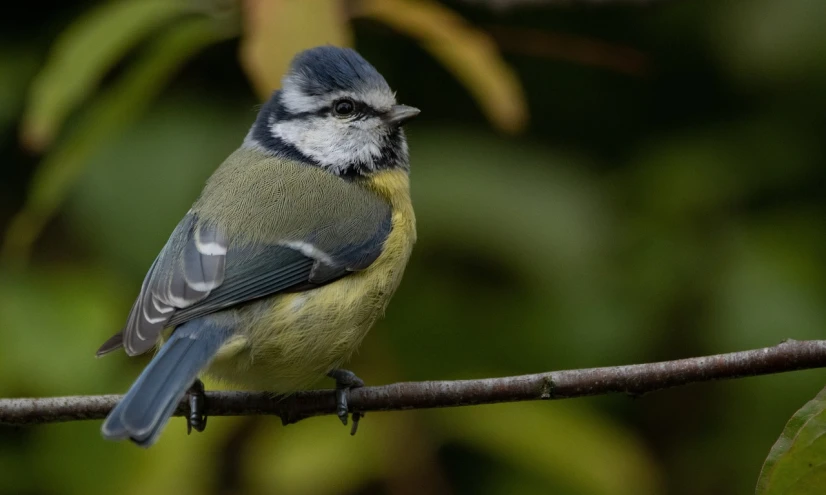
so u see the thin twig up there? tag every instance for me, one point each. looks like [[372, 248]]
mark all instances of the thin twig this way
[[572, 48], [635, 379]]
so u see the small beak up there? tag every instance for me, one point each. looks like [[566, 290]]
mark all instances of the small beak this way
[[400, 114]]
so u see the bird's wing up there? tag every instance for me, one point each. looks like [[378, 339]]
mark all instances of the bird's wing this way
[[201, 270]]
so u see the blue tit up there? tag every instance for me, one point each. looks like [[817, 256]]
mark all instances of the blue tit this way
[[289, 255]]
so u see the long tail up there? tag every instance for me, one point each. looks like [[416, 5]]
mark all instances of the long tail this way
[[153, 398]]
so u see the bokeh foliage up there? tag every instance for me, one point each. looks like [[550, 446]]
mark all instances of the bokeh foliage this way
[[669, 209], [796, 461]]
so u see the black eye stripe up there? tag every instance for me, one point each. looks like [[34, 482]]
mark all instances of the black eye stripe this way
[[362, 111], [369, 111], [393, 153]]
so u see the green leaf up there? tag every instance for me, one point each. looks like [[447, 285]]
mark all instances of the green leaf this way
[[796, 464], [110, 113], [82, 55]]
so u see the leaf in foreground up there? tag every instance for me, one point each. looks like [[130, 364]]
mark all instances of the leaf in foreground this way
[[110, 113], [80, 58], [796, 464]]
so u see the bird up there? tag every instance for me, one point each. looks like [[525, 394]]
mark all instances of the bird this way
[[288, 256]]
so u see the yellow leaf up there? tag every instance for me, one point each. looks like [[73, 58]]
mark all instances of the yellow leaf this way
[[469, 53], [275, 30]]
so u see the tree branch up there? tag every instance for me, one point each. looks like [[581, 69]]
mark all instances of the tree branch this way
[[635, 379]]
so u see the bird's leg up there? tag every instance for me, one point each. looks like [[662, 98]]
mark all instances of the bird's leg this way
[[197, 403], [346, 380]]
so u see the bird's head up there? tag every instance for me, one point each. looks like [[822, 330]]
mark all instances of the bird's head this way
[[334, 110]]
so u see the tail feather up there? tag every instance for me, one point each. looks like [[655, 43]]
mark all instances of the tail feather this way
[[162, 387], [148, 405], [113, 343]]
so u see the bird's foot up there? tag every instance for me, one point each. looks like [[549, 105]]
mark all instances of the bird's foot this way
[[346, 380], [197, 405]]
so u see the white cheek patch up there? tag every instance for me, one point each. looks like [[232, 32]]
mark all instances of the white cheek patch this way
[[329, 141], [333, 143]]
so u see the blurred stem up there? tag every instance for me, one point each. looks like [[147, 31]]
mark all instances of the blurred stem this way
[[108, 115], [571, 48], [635, 379]]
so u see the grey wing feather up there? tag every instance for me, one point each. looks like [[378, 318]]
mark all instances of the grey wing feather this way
[[197, 273], [273, 269], [188, 268]]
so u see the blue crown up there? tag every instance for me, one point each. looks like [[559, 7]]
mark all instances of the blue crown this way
[[327, 69]]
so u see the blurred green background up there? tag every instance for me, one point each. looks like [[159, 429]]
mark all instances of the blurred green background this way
[[594, 186]]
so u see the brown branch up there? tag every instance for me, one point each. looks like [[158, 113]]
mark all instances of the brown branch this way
[[572, 48], [635, 379]]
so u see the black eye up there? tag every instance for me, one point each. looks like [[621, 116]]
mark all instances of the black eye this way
[[344, 106]]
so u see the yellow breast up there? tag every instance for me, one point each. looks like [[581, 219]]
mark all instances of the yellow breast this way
[[301, 336]]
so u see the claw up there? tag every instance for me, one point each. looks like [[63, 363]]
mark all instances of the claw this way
[[346, 380], [342, 409], [356, 418], [197, 405]]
